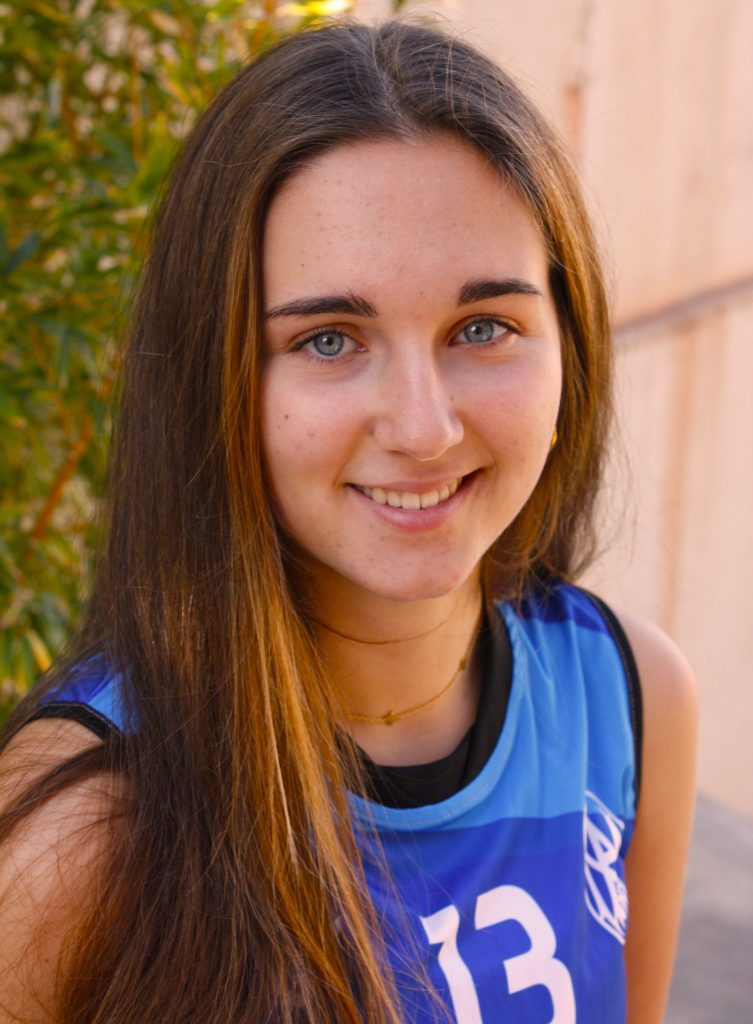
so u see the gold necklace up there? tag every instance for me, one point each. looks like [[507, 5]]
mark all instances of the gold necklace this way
[[390, 717], [382, 643]]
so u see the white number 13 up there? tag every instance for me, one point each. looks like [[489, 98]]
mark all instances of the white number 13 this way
[[537, 966]]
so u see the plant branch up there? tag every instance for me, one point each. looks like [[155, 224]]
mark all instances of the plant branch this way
[[65, 472]]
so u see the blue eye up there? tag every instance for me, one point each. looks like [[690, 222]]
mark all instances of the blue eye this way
[[481, 332], [328, 343]]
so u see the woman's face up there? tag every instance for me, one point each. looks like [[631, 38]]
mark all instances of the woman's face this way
[[412, 372]]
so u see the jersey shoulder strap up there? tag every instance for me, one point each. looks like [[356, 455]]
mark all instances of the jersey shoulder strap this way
[[632, 678], [92, 695]]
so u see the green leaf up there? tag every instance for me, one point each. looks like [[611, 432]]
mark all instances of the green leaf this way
[[23, 251], [122, 153]]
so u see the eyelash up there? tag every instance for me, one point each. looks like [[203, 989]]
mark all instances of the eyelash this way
[[492, 343]]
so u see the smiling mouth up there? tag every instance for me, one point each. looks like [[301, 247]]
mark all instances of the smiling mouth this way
[[410, 500]]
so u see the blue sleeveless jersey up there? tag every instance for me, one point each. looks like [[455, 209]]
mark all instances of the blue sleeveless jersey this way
[[511, 893]]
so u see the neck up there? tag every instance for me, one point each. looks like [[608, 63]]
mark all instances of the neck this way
[[388, 656]]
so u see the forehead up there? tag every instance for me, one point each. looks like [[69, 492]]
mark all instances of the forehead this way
[[390, 215]]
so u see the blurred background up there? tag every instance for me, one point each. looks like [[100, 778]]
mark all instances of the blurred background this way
[[655, 99]]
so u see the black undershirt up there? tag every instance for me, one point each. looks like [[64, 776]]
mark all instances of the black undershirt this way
[[419, 784]]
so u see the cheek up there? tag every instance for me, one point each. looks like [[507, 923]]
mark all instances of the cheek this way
[[520, 410], [290, 450], [302, 435]]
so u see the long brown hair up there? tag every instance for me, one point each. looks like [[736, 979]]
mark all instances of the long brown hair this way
[[235, 888]]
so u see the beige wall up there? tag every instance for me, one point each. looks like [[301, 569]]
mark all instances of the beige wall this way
[[656, 98]]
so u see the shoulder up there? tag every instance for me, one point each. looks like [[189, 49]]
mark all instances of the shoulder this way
[[658, 851], [37, 748], [668, 686], [48, 861], [669, 696]]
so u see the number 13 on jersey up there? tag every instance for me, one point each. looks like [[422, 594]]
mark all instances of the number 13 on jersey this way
[[537, 966]]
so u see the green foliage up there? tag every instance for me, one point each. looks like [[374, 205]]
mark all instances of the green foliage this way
[[96, 95]]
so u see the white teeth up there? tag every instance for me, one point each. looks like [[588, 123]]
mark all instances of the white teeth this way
[[409, 500], [430, 500]]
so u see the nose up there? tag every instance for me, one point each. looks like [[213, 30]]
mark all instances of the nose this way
[[417, 414]]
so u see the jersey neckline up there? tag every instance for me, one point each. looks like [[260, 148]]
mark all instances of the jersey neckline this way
[[405, 819]]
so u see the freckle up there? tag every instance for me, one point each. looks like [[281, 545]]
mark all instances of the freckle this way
[[287, 415]]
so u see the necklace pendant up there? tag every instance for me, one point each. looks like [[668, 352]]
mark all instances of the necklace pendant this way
[[389, 718]]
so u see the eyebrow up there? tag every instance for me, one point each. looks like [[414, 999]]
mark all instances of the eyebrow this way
[[486, 288], [347, 303], [356, 305]]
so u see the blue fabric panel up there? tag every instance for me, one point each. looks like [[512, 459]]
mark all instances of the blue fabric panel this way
[[543, 861], [99, 689], [564, 603]]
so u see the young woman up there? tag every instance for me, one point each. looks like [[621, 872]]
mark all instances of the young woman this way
[[339, 739]]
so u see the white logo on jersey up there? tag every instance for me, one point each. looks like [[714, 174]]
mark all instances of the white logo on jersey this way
[[606, 894]]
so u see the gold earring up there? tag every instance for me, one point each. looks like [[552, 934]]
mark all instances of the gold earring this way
[[554, 439]]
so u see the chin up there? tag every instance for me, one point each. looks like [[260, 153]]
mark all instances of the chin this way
[[426, 580], [420, 588]]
